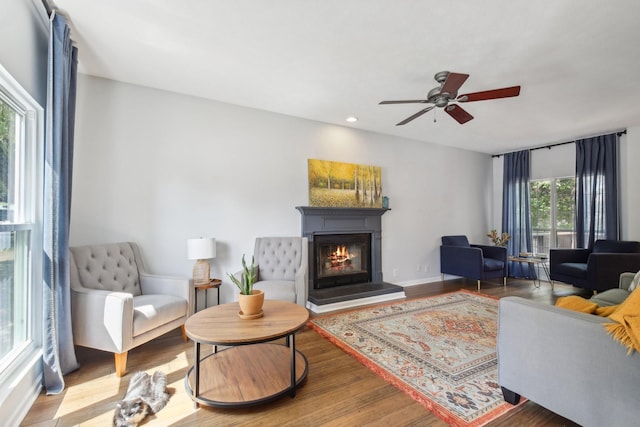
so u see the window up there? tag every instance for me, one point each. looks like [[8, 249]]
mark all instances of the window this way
[[552, 213], [20, 135]]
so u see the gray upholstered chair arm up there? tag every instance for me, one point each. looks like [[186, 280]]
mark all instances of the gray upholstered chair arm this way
[[115, 332], [167, 285], [302, 286], [625, 280]]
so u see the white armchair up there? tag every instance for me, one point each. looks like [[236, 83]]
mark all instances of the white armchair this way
[[282, 264], [116, 305]]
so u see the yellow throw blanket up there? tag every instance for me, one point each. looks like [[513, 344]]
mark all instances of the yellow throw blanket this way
[[627, 328], [577, 303]]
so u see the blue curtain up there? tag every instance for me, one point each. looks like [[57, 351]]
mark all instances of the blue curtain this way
[[58, 353], [596, 190], [516, 218]]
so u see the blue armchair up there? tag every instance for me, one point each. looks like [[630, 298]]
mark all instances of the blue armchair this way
[[477, 262], [598, 268]]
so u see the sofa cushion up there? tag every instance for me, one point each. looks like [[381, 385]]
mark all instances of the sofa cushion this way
[[610, 297], [151, 311], [491, 264], [574, 269], [455, 241]]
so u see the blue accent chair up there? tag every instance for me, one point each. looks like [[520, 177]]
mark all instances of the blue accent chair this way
[[597, 269], [477, 262]]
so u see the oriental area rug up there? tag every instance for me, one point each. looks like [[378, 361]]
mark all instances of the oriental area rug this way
[[441, 351]]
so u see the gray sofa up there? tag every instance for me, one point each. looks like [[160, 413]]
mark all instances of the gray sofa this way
[[566, 362]]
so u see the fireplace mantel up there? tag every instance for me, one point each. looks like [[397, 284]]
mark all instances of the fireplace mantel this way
[[315, 210]]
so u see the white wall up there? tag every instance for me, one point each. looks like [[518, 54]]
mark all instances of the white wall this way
[[158, 168], [560, 162], [24, 33], [630, 184]]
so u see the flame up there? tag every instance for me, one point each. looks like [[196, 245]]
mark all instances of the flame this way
[[339, 256]]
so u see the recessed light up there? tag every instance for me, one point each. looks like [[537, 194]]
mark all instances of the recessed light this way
[[351, 119]]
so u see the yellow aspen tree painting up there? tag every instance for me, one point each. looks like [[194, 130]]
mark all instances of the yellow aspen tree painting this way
[[346, 185]]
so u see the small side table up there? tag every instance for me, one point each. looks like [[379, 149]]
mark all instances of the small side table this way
[[536, 262], [213, 283]]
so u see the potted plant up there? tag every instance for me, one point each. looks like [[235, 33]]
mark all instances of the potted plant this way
[[250, 299], [499, 240]]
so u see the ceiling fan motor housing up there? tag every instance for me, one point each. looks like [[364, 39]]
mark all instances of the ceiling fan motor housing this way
[[439, 99]]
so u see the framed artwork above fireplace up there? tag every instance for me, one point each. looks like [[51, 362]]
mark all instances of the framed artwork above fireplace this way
[[344, 185]]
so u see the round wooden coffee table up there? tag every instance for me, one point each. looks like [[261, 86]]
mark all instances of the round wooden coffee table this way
[[252, 370]]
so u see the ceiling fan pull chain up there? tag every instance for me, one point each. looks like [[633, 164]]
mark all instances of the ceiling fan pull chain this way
[[434, 115]]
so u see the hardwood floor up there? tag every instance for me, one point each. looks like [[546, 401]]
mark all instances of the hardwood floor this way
[[338, 391]]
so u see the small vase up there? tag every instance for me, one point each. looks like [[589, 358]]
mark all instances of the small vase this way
[[251, 305]]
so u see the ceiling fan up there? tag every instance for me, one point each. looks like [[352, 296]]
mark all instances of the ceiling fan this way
[[443, 95]]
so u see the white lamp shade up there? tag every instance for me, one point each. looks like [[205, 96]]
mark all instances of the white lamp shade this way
[[201, 248]]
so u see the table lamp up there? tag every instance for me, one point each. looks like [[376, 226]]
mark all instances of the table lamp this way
[[201, 250]]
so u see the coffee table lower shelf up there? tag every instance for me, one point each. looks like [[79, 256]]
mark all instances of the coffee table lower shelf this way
[[247, 375]]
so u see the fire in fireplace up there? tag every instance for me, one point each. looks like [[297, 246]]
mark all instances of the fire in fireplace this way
[[341, 259]]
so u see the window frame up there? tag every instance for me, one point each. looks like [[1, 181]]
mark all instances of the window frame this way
[[553, 210], [28, 215]]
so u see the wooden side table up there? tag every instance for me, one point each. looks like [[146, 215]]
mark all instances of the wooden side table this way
[[214, 283]]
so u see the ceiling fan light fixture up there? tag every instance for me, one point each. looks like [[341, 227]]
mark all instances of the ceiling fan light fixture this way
[[441, 97]]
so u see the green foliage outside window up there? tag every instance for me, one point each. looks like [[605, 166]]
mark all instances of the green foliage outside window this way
[[565, 203], [7, 124], [540, 201], [540, 204]]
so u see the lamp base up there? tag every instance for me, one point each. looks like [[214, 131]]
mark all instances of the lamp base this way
[[201, 272]]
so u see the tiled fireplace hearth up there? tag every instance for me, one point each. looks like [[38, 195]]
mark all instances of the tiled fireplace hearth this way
[[345, 257]]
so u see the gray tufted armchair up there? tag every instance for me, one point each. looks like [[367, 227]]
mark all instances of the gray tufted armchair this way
[[116, 305], [282, 268]]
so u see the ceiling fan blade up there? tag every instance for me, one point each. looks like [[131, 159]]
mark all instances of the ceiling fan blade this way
[[453, 83], [490, 94], [408, 101], [458, 113], [416, 115]]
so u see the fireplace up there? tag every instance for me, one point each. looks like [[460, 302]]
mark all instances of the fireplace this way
[[345, 257], [341, 259]]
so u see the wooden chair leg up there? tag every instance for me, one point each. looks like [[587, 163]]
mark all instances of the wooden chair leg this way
[[121, 363], [184, 334]]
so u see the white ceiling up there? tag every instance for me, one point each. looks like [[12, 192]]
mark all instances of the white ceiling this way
[[578, 61]]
